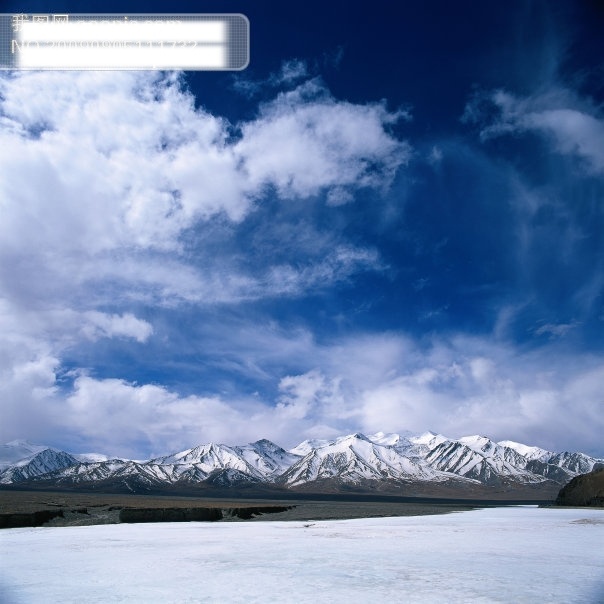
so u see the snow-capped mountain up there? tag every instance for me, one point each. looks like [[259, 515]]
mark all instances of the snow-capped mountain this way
[[261, 460], [481, 459], [37, 464], [355, 460]]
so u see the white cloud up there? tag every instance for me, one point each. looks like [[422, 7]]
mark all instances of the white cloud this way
[[101, 175], [573, 126], [308, 395], [122, 160], [32, 345], [339, 196], [126, 418], [169, 283], [126, 325], [574, 133], [299, 394], [304, 142], [435, 156], [555, 330], [293, 70], [339, 264], [105, 172], [62, 327], [387, 381], [28, 385], [290, 73]]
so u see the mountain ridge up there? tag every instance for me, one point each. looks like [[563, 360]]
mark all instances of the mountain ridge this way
[[384, 462]]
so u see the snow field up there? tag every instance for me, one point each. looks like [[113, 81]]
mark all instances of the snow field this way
[[520, 555]]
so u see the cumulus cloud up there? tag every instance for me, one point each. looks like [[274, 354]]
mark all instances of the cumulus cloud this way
[[32, 377], [305, 141], [127, 418], [308, 395], [28, 386], [465, 385], [124, 165], [388, 382], [119, 159], [105, 172], [127, 325]]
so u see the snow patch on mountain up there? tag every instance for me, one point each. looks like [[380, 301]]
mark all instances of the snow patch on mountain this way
[[525, 450]]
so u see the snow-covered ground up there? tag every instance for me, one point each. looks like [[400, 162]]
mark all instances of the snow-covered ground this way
[[521, 554]]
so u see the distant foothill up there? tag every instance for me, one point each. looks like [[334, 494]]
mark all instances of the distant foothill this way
[[584, 490]]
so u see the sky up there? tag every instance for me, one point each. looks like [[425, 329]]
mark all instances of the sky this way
[[391, 220]]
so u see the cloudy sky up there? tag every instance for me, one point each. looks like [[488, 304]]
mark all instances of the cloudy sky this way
[[392, 220]]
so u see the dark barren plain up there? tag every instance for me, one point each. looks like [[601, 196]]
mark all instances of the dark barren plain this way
[[22, 508]]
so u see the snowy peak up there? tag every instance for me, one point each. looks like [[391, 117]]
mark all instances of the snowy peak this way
[[267, 458], [307, 446], [577, 463], [430, 439], [16, 450], [43, 462], [350, 440], [479, 443], [471, 458], [259, 460], [205, 459], [194, 455], [389, 440], [266, 445]]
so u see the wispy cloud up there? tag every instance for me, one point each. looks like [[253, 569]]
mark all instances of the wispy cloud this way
[[555, 330], [292, 71], [573, 125]]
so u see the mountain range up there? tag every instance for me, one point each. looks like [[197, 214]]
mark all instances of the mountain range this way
[[428, 464]]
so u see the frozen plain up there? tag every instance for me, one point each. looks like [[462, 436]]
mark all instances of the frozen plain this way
[[517, 554]]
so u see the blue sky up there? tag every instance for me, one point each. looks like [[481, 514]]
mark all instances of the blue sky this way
[[391, 220]]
